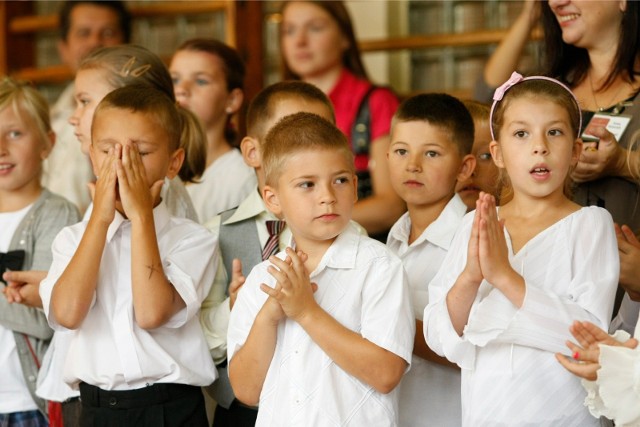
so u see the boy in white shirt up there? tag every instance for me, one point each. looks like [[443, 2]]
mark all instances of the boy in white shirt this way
[[131, 279], [320, 334], [430, 152]]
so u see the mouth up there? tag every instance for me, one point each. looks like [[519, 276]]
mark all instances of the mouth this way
[[413, 183], [469, 188], [328, 217], [540, 171], [4, 167], [566, 18]]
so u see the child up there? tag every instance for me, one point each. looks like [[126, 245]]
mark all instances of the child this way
[[322, 333], [515, 278], [243, 232], [208, 79], [113, 67], [130, 280], [485, 175], [431, 139], [30, 217]]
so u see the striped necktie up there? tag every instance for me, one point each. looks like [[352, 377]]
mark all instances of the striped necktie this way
[[271, 247]]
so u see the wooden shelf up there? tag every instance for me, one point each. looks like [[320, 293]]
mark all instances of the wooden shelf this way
[[475, 38], [32, 24]]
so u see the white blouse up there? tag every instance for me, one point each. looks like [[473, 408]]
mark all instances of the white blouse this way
[[616, 392], [509, 372]]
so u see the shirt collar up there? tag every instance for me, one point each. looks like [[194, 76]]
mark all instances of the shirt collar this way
[[250, 207], [440, 232], [161, 217]]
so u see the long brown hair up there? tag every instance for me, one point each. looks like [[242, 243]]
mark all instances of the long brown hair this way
[[351, 58]]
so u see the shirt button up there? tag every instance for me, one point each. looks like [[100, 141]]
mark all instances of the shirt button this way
[[113, 401], [31, 378]]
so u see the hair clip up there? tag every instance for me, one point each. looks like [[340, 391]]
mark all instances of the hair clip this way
[[128, 70], [514, 80]]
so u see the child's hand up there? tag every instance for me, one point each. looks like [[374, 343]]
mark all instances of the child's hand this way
[[237, 280], [492, 248], [137, 198], [104, 189], [23, 287], [586, 355], [472, 271], [294, 291], [629, 250]]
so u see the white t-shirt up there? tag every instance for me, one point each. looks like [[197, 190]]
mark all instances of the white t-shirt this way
[[14, 393], [509, 373], [110, 350], [363, 286], [429, 392], [224, 185]]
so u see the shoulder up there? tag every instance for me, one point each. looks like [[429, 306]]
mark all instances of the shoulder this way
[[593, 216]]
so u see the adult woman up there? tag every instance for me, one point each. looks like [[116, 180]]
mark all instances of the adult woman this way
[[319, 47], [594, 47]]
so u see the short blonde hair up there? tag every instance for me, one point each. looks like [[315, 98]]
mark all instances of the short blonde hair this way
[[27, 103], [296, 133]]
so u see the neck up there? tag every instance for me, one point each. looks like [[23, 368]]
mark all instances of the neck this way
[[325, 81], [12, 201], [423, 216], [528, 207], [217, 145]]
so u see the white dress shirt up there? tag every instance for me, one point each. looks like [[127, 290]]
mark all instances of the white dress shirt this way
[[363, 286], [509, 373], [429, 392], [223, 185], [110, 350]]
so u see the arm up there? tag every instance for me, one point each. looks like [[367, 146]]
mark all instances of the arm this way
[[629, 250], [506, 57], [382, 209], [73, 292], [421, 349], [249, 365], [356, 355], [155, 299]]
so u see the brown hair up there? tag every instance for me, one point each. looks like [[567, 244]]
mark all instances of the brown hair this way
[[262, 107], [296, 133], [351, 58], [127, 65]]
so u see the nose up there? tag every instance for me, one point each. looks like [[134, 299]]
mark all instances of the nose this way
[[74, 119], [328, 195], [300, 37], [181, 90], [3, 146], [414, 162], [555, 4], [540, 146]]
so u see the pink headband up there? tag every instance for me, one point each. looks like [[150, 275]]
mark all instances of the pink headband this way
[[514, 80]]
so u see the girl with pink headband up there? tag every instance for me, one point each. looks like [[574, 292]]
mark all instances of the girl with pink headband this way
[[516, 276]]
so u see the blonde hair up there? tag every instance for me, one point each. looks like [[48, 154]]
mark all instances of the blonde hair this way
[[127, 65], [28, 104], [296, 133]]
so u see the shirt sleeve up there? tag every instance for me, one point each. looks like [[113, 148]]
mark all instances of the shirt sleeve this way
[[190, 266], [383, 104], [547, 311], [387, 316], [214, 315], [439, 332], [62, 250]]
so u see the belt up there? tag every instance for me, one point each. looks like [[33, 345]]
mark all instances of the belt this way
[[127, 399]]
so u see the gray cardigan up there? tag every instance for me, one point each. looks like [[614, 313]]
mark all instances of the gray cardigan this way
[[35, 233]]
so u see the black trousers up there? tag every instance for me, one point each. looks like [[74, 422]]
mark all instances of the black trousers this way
[[159, 405], [238, 415]]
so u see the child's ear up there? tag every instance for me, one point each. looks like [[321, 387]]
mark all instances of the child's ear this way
[[467, 167], [175, 163], [496, 154], [250, 148], [234, 101], [271, 201], [577, 150], [49, 142]]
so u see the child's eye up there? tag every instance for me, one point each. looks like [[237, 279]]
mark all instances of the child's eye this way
[[484, 156], [431, 153], [520, 134], [14, 134], [175, 80], [342, 180], [306, 184], [555, 132], [81, 102], [143, 153], [400, 151], [202, 82]]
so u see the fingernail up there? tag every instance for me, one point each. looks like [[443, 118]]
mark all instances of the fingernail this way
[[576, 355]]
